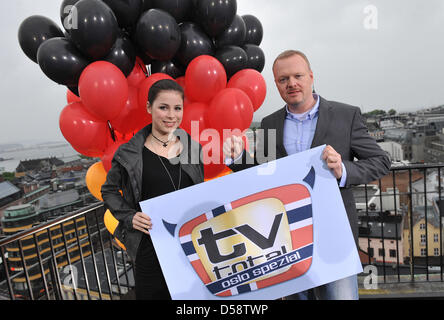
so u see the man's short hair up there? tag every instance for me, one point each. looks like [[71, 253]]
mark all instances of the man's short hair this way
[[290, 53]]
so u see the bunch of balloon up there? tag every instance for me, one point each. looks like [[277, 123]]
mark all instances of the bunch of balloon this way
[[217, 108], [111, 52]]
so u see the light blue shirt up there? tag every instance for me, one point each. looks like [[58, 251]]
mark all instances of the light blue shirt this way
[[299, 130]]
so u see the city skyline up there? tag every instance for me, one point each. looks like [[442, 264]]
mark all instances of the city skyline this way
[[371, 54]]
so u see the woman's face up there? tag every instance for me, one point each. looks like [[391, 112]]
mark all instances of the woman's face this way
[[166, 111]]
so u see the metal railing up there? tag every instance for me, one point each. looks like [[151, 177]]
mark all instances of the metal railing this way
[[404, 215], [71, 257], [75, 257]]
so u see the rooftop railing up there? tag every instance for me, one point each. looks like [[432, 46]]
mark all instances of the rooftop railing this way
[[75, 257], [71, 257]]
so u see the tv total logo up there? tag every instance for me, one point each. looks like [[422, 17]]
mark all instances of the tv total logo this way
[[252, 243]]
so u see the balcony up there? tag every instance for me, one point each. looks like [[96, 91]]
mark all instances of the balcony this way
[[74, 257]]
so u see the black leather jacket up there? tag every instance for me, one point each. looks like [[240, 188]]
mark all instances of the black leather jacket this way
[[126, 175]]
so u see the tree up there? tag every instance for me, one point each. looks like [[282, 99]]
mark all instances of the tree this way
[[392, 112], [374, 113], [8, 176]]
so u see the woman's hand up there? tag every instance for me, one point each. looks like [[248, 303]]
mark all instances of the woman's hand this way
[[142, 222]]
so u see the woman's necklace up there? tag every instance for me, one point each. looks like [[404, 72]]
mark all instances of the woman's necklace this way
[[164, 143], [169, 175]]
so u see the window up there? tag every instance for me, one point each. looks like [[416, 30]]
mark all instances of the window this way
[[436, 251], [381, 252], [423, 252], [422, 226], [436, 237], [392, 253], [423, 239], [371, 252]]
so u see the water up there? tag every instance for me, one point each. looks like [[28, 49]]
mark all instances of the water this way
[[60, 150]]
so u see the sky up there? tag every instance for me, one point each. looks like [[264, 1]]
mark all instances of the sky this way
[[374, 54]]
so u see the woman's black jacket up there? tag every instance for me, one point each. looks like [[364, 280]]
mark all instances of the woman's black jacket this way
[[126, 175]]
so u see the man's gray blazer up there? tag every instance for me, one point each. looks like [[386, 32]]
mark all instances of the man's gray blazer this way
[[340, 126]]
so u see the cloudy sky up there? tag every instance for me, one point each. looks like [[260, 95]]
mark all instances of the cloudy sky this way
[[373, 54]]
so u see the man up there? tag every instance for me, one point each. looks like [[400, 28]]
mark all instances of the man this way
[[308, 121]]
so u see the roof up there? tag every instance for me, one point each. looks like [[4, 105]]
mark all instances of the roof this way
[[28, 165], [7, 189], [432, 215], [52, 200], [389, 229]]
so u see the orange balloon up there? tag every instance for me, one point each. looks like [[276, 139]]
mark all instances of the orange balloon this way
[[111, 224], [224, 172], [95, 178]]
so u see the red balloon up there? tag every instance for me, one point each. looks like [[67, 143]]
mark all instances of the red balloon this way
[[213, 158], [252, 83], [145, 85], [103, 89], [194, 111], [108, 155], [204, 78], [230, 109], [118, 137], [71, 97], [138, 74], [85, 132], [142, 65], [213, 170], [133, 117], [181, 81]]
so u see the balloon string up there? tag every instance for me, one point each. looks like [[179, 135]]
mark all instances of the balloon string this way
[[143, 69], [111, 130]]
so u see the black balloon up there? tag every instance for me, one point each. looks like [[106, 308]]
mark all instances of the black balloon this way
[[179, 9], [122, 55], [256, 57], [215, 16], [255, 31], [233, 59], [158, 35], [60, 61], [234, 35], [147, 5], [35, 30], [127, 12], [171, 68], [65, 11], [74, 90], [194, 43], [97, 28], [146, 60]]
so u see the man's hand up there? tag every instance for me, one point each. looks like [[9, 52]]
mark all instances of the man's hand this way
[[142, 222], [233, 147], [333, 160]]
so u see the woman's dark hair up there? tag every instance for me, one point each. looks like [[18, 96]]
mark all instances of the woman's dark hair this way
[[164, 85]]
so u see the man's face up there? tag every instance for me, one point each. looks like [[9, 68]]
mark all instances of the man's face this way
[[294, 81]]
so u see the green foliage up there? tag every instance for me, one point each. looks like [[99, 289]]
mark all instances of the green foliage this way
[[392, 112], [8, 176], [374, 113]]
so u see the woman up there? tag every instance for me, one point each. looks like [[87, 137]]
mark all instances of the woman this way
[[156, 161]]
